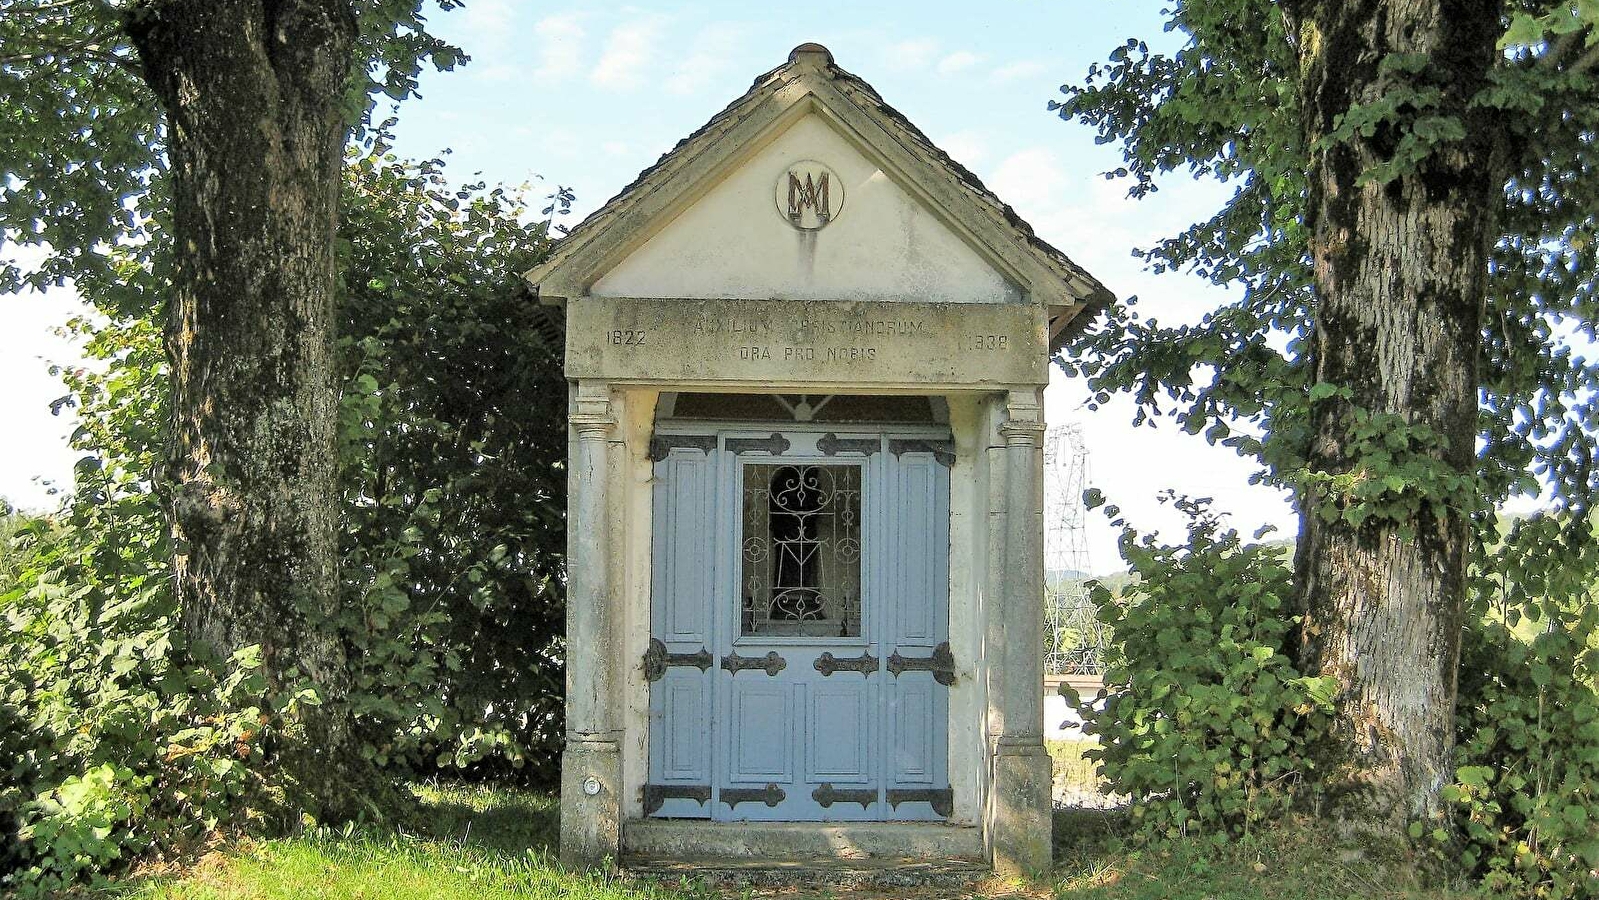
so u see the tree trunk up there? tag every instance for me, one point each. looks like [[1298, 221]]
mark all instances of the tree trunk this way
[[253, 94], [1400, 274]]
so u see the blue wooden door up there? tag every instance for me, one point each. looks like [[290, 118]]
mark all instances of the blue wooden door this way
[[799, 660]]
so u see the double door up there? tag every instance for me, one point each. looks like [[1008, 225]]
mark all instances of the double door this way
[[799, 664]]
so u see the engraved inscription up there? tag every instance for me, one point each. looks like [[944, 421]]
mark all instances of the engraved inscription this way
[[765, 340], [809, 340], [802, 340]]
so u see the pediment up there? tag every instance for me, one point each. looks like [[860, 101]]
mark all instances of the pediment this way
[[746, 238], [708, 221]]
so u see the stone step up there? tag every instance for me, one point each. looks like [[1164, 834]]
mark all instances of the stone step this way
[[684, 839], [876, 872]]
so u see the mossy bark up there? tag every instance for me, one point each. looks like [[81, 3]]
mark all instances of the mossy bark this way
[[1400, 273], [253, 95]]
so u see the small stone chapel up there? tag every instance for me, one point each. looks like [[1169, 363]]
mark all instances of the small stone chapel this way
[[806, 353]]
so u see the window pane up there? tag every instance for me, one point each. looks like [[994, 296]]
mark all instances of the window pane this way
[[802, 550]]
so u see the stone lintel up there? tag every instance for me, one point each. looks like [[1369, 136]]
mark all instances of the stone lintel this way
[[745, 344]]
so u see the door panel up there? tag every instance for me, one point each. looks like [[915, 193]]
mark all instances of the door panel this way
[[685, 708], [812, 569], [912, 743], [919, 535], [838, 731], [681, 608], [762, 723]]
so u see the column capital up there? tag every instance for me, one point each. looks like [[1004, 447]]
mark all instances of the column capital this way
[[592, 425], [591, 413], [1022, 433]]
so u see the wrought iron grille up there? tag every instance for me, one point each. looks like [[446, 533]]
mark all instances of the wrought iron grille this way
[[802, 550]]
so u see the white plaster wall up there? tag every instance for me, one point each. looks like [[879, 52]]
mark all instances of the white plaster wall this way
[[734, 243]]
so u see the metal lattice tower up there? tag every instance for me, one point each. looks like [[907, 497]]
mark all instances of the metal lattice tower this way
[[1073, 636]]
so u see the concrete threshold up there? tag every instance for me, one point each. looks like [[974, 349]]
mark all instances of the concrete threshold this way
[[876, 872], [692, 840]]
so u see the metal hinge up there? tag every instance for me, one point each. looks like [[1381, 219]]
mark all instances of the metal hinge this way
[[827, 664], [943, 451], [771, 795], [656, 795], [771, 662], [776, 445], [826, 795], [941, 799], [662, 445], [831, 444], [657, 660], [941, 664]]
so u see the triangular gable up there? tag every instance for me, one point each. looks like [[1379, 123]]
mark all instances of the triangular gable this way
[[806, 90]]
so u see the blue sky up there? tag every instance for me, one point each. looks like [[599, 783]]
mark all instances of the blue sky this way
[[587, 94]]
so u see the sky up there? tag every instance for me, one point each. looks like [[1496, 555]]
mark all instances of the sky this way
[[585, 95]]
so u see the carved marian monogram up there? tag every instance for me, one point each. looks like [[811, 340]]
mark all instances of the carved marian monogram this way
[[809, 195]]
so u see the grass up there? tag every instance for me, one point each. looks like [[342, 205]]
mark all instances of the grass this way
[[1295, 860], [470, 841], [495, 844], [1071, 768]]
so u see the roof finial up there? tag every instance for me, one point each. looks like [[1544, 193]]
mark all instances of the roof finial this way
[[812, 54]]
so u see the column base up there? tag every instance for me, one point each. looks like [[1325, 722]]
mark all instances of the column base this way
[[1021, 829], [591, 824]]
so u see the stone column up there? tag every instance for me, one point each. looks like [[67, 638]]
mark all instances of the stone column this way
[[591, 768], [1022, 804]]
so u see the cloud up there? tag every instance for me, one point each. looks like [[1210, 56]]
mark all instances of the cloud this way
[[1031, 177], [487, 27], [958, 61], [969, 148], [1018, 71], [707, 59], [628, 51], [911, 55], [559, 39]]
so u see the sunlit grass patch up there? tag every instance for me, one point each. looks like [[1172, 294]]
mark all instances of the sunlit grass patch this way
[[464, 841]]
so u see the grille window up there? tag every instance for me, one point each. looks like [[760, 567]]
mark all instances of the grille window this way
[[802, 550]]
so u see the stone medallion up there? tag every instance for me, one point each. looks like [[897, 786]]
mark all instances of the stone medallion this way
[[809, 195]]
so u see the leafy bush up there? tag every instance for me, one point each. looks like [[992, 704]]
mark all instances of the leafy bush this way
[[454, 443], [84, 823], [118, 743], [1205, 722], [114, 740], [1528, 749]]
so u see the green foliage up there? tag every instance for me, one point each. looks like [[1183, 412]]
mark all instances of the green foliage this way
[[1224, 105], [84, 823], [117, 742], [452, 449], [1528, 779], [82, 159], [1205, 723]]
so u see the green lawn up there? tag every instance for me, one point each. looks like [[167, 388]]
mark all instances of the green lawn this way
[[468, 842], [473, 842]]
